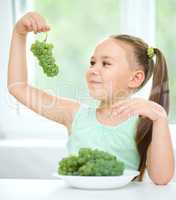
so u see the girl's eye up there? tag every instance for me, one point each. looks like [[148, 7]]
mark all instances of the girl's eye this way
[[92, 62], [104, 63]]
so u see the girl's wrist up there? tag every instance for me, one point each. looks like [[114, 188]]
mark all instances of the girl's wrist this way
[[162, 119], [19, 34], [162, 116]]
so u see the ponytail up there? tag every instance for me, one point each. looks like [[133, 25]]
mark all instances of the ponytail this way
[[159, 94], [160, 86]]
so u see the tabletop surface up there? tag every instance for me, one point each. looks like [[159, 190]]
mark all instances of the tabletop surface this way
[[35, 189]]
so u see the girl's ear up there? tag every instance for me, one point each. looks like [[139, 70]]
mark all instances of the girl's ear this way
[[136, 79]]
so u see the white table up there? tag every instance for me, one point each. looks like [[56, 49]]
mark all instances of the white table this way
[[35, 189]]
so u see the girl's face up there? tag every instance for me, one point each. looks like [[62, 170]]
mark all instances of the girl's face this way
[[109, 72]]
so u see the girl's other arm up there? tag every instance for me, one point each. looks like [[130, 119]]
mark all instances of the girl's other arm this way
[[160, 155]]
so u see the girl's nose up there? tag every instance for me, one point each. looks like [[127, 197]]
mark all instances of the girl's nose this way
[[96, 70]]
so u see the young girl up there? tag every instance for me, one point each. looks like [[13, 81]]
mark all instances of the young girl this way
[[134, 129]]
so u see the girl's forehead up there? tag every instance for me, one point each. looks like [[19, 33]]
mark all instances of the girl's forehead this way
[[110, 48]]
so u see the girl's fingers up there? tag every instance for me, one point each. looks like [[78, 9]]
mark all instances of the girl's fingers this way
[[27, 24], [120, 103], [39, 26], [126, 103], [120, 107], [42, 26], [133, 108], [34, 25], [32, 15], [128, 113], [39, 22], [124, 116], [121, 110], [31, 22]]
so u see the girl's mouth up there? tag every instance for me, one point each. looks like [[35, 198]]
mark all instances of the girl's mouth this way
[[94, 82]]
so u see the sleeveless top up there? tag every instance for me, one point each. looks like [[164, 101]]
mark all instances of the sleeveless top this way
[[119, 140]]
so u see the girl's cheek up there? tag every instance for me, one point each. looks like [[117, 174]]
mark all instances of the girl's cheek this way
[[87, 74]]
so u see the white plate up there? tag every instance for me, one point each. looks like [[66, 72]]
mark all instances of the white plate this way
[[99, 182]]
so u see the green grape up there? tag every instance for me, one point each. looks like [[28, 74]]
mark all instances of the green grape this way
[[91, 162], [68, 165], [43, 52]]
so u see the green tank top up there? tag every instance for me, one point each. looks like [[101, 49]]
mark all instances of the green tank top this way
[[87, 131]]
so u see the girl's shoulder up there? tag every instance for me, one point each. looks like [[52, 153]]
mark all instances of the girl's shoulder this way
[[83, 109], [82, 116]]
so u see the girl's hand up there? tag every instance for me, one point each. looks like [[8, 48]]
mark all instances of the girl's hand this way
[[31, 21], [139, 106]]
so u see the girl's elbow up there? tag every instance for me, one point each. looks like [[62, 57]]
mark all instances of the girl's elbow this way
[[162, 181], [162, 178]]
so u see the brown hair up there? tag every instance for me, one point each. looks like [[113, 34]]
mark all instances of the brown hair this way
[[159, 92]]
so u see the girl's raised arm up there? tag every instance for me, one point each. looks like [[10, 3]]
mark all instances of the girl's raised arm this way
[[58, 109]]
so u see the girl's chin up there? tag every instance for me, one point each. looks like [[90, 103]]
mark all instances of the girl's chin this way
[[97, 94]]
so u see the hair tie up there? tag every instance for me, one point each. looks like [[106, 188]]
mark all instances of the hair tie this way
[[150, 52]]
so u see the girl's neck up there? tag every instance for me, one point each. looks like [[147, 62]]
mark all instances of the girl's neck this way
[[106, 106]]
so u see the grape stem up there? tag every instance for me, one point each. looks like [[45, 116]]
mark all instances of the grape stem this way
[[46, 36]]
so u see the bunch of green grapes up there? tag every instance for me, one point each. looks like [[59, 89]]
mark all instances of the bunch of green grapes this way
[[91, 162], [101, 167], [43, 52]]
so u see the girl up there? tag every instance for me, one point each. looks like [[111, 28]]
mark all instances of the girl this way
[[134, 129]]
